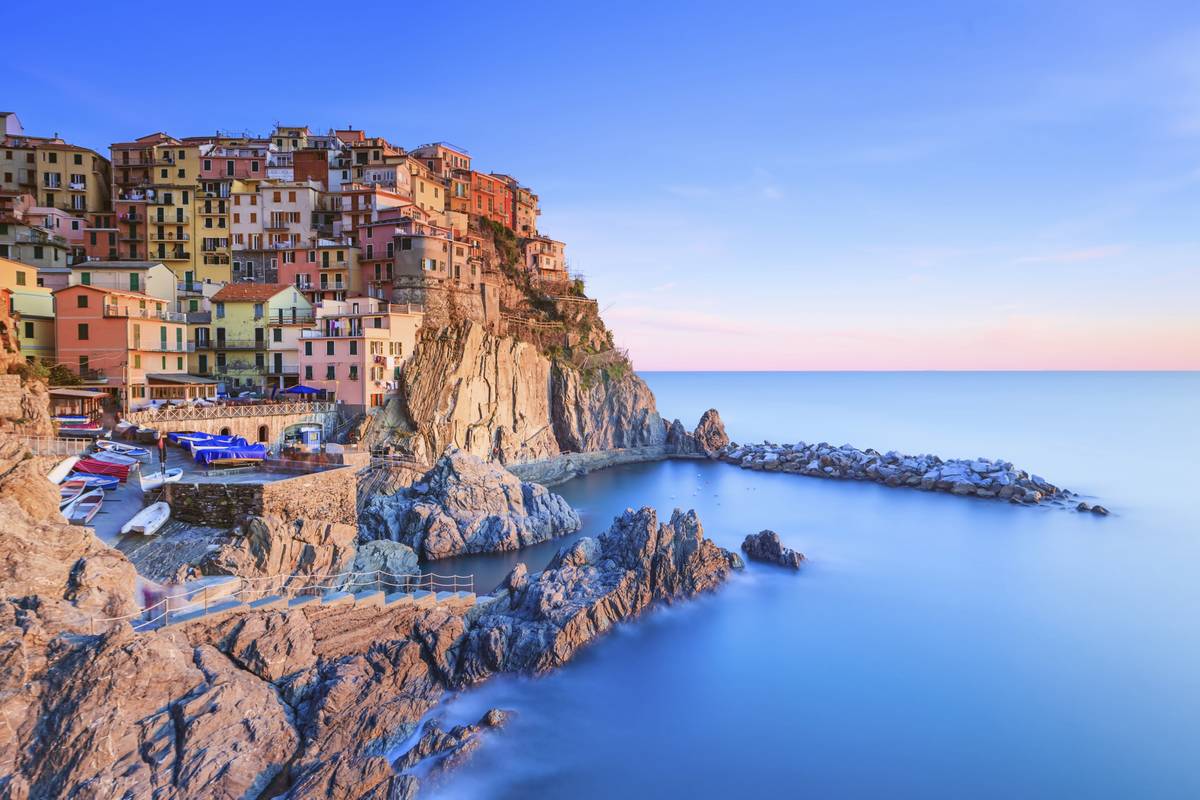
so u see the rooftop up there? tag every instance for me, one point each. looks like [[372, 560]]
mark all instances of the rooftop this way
[[253, 292]]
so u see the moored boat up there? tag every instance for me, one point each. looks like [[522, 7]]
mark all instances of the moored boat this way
[[69, 490], [93, 467], [148, 520], [155, 480], [114, 458], [86, 506], [95, 481], [62, 469], [122, 449]]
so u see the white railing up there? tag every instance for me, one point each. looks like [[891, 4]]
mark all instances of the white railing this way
[[166, 413], [55, 446], [288, 586]]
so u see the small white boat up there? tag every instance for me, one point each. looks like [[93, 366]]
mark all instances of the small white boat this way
[[148, 520], [122, 449], [62, 469], [81, 511], [155, 480], [69, 491], [114, 458]]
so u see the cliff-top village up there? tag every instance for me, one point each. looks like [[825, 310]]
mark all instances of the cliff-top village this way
[[180, 269]]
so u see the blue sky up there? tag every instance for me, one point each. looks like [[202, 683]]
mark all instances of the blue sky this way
[[769, 186]]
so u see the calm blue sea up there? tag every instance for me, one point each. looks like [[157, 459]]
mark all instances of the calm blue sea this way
[[933, 647]]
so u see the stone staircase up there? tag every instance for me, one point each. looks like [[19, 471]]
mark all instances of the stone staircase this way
[[214, 600]]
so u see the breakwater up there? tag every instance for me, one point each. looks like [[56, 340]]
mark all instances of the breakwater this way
[[979, 477]]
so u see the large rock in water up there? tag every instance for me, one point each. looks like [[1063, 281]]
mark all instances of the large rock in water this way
[[707, 439], [465, 505], [603, 413], [538, 622], [766, 546], [485, 394]]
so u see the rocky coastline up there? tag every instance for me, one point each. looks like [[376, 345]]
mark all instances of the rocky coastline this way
[[980, 477]]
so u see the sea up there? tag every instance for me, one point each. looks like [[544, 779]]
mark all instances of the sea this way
[[932, 646]]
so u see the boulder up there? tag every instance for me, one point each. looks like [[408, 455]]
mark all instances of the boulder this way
[[465, 505], [710, 434], [767, 546]]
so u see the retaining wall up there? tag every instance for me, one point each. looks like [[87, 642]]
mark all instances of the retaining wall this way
[[331, 496]]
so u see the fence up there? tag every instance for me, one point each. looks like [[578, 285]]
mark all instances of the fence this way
[[55, 446], [281, 587]]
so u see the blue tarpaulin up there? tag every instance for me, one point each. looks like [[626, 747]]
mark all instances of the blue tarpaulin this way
[[253, 451], [302, 389]]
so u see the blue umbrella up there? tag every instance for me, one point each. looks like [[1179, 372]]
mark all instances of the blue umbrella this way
[[302, 389]]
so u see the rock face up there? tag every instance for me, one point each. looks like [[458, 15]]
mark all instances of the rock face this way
[[766, 546], [605, 413], [978, 477], [269, 546], [446, 750], [485, 394], [538, 622], [464, 505]]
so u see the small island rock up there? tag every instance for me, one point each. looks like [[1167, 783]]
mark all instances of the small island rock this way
[[766, 546]]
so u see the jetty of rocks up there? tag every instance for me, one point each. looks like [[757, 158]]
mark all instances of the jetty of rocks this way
[[980, 477]]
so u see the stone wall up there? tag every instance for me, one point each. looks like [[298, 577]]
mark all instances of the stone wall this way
[[330, 496]]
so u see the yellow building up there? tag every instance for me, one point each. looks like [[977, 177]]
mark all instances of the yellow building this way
[[35, 305], [72, 178], [171, 213], [254, 336]]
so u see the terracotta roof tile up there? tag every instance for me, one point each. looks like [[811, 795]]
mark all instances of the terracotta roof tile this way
[[252, 292]]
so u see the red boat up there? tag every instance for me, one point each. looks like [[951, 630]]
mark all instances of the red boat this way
[[93, 467]]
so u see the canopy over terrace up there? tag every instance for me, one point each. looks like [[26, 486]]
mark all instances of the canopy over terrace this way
[[180, 387], [76, 401]]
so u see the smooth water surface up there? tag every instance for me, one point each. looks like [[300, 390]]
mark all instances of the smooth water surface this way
[[933, 646]]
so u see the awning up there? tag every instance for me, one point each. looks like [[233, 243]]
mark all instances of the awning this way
[[179, 377], [302, 389]]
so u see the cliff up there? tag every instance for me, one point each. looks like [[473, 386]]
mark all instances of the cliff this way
[[502, 399]]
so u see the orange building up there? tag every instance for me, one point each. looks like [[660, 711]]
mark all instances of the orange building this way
[[131, 342]]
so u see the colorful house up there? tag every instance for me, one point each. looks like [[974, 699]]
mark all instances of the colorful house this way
[[35, 305], [357, 349], [149, 277], [129, 341], [254, 335]]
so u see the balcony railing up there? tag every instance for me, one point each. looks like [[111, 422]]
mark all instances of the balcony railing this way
[[178, 255], [143, 313], [283, 369], [169, 236], [234, 344]]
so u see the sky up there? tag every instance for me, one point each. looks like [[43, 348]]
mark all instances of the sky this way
[[774, 186]]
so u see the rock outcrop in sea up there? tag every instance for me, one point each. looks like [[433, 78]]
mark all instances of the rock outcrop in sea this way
[[708, 439], [980, 477], [465, 505], [537, 622], [767, 546]]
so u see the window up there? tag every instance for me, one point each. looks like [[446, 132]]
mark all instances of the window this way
[[308, 372], [277, 334], [82, 331], [353, 347], [220, 310], [38, 252], [20, 277], [28, 330], [353, 372], [137, 360], [329, 348], [406, 244], [179, 362], [207, 164], [258, 310], [83, 364], [308, 348], [329, 373], [133, 282], [78, 159], [81, 301]]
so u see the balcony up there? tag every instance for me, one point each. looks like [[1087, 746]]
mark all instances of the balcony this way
[[190, 287], [199, 318], [170, 236], [234, 344], [291, 316], [284, 369], [178, 255], [143, 313], [164, 347], [163, 219], [216, 258]]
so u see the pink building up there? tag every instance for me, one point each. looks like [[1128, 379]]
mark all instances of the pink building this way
[[356, 351]]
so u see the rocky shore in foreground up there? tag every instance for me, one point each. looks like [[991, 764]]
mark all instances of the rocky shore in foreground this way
[[980, 477]]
